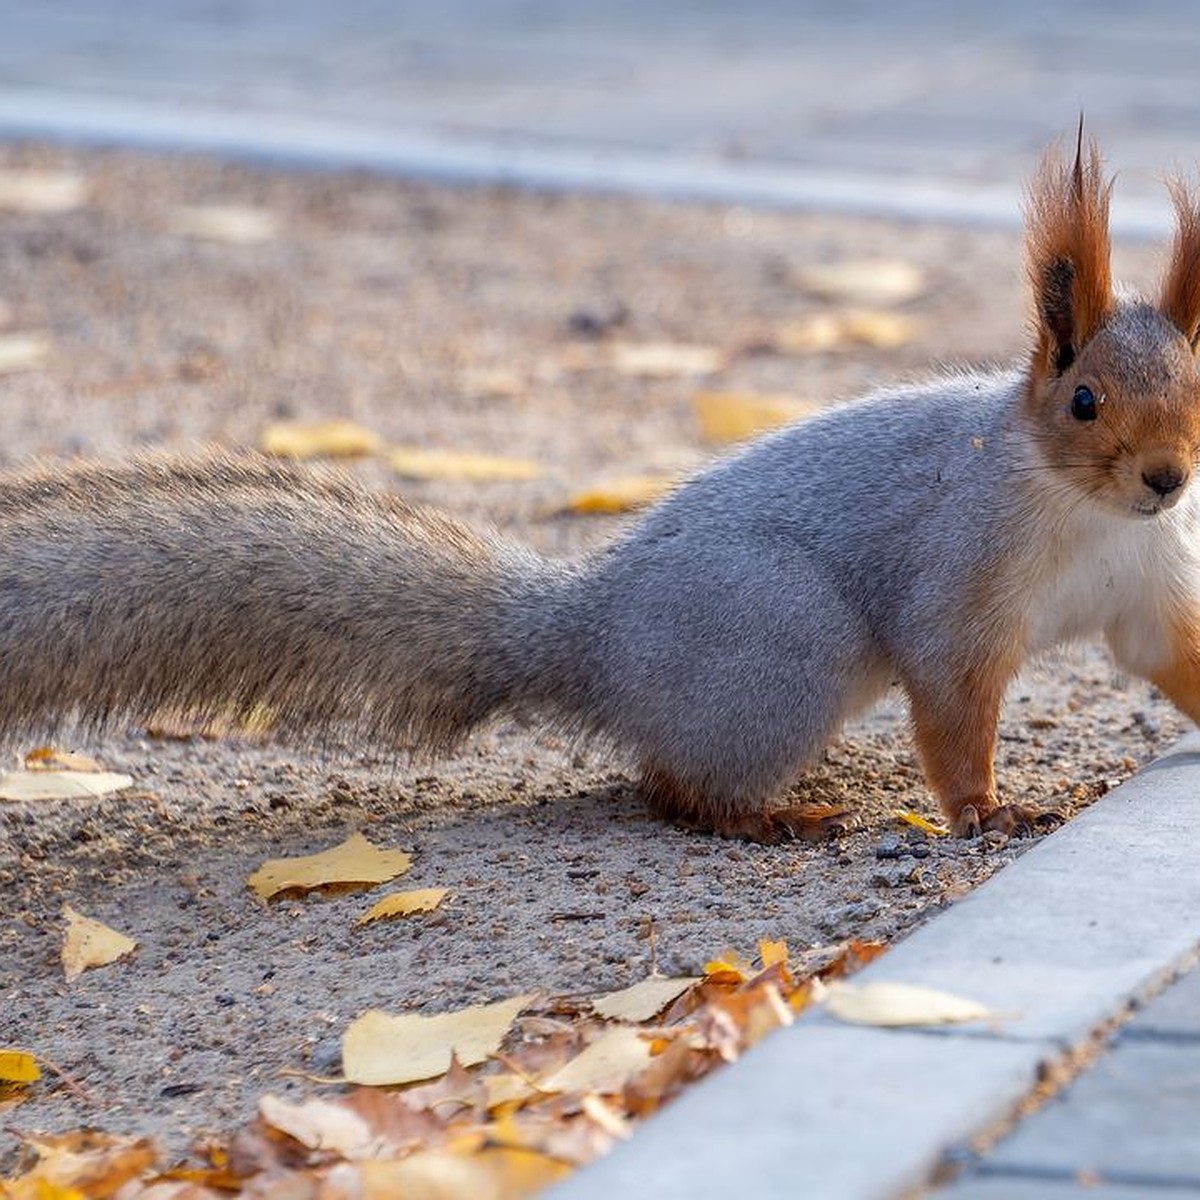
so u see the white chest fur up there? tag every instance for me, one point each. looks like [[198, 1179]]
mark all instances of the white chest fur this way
[[1119, 576]]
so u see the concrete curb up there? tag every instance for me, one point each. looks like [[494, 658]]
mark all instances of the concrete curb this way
[[331, 143], [1102, 913]]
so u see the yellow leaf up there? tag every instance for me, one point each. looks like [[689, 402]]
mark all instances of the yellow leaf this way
[[494, 1173], [41, 191], [320, 439], [735, 416], [234, 224], [402, 904], [621, 495], [617, 1054], [865, 280], [506, 1089], [320, 1125], [643, 1000], [356, 862], [922, 823], [60, 785], [896, 1004], [23, 352], [379, 1048], [47, 758], [726, 970], [773, 953], [839, 330], [91, 944], [18, 1066], [662, 360], [85, 1164], [448, 464]]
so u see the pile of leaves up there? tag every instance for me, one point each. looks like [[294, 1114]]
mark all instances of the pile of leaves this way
[[525, 1091]]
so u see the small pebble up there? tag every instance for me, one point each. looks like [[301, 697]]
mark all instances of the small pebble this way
[[891, 846]]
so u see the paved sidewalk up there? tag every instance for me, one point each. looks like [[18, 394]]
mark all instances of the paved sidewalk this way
[[1131, 1121], [932, 109]]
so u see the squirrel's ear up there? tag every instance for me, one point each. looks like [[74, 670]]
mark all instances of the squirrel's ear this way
[[1068, 251], [1180, 301]]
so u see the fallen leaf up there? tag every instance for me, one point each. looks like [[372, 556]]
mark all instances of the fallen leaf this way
[[320, 439], [320, 1125], [619, 1053], [508, 1088], [662, 360], [402, 904], [42, 191], [491, 382], [735, 416], [234, 224], [90, 943], [896, 1004], [865, 280], [354, 863], [60, 785], [924, 824], [773, 954], [85, 1164], [448, 464], [729, 969], [23, 352], [495, 1173], [48, 758], [840, 330], [621, 495], [379, 1048], [643, 1000], [18, 1066]]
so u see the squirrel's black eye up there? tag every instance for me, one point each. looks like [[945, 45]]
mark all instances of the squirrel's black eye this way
[[1083, 404]]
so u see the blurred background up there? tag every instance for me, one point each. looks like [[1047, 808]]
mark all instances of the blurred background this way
[[930, 108]]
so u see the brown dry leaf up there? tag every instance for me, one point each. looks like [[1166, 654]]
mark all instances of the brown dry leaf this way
[[403, 904], [233, 224], [353, 863], [42, 192], [379, 1048], [86, 1164], [60, 785], [621, 495], [841, 330], [91, 943], [320, 1125], [643, 1000], [23, 352], [618, 1054], [865, 280], [735, 416], [664, 360], [900, 1004], [415, 463], [18, 1066], [48, 758], [924, 824], [320, 439]]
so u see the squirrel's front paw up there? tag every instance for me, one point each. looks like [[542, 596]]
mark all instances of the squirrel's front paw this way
[[1015, 820]]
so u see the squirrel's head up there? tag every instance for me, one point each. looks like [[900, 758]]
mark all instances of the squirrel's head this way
[[1114, 385]]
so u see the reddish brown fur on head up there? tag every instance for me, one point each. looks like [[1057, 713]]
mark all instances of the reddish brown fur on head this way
[[1133, 441], [1180, 301], [1068, 250]]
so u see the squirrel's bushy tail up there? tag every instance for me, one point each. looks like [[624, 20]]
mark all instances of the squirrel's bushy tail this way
[[223, 586]]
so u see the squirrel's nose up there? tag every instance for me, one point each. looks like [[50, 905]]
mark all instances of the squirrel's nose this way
[[1164, 480]]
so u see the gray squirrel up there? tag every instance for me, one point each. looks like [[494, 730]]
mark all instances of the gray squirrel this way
[[936, 536]]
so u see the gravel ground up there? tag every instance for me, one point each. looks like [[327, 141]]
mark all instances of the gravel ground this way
[[456, 319]]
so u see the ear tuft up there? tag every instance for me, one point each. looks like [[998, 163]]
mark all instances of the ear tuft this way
[[1180, 301], [1068, 249]]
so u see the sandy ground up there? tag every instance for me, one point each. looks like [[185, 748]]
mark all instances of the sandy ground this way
[[448, 318]]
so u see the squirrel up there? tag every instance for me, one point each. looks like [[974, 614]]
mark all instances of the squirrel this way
[[935, 536]]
